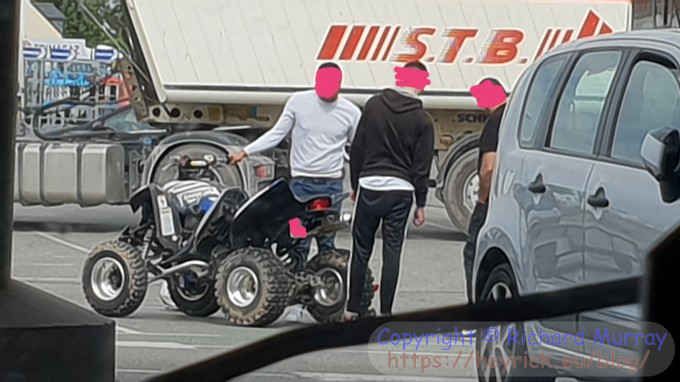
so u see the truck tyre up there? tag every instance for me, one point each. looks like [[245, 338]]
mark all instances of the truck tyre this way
[[252, 287], [501, 285], [194, 299], [461, 187], [228, 175], [114, 278], [328, 302]]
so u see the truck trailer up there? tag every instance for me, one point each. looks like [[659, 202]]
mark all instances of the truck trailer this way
[[205, 72]]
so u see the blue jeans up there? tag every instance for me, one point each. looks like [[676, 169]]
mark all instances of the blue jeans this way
[[306, 187]]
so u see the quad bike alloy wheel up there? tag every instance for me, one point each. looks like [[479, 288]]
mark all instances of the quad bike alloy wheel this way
[[329, 296], [253, 287], [114, 278]]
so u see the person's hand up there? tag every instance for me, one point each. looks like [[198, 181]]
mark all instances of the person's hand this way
[[237, 157], [353, 196], [419, 217]]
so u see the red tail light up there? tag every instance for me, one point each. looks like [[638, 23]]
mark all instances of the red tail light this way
[[319, 204]]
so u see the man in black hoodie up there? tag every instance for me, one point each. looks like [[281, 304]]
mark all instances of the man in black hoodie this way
[[390, 161]]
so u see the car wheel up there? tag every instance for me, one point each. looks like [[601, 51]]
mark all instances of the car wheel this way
[[499, 286]]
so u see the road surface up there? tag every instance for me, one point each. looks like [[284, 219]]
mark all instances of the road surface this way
[[50, 245]]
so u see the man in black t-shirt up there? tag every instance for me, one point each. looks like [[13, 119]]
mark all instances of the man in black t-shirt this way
[[488, 142]]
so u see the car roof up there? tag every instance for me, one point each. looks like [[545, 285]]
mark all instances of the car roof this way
[[666, 36]]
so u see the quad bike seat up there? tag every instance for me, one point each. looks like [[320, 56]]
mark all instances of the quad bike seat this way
[[191, 199]]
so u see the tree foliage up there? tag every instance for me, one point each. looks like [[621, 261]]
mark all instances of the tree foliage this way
[[79, 25]]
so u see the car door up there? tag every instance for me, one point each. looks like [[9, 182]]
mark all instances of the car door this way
[[553, 182], [624, 211]]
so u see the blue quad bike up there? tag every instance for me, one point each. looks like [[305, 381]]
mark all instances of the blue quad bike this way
[[216, 248]]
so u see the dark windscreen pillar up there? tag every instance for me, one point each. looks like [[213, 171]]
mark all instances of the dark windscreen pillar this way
[[9, 46]]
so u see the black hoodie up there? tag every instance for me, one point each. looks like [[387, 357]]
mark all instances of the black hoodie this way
[[395, 137]]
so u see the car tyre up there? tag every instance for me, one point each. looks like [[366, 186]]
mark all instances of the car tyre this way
[[499, 286]]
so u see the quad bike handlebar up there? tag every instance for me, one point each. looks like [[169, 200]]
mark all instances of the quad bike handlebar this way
[[187, 163]]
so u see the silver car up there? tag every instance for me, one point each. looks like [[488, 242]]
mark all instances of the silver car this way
[[586, 179]]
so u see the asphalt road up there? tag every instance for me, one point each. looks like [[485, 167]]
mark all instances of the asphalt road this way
[[50, 245]]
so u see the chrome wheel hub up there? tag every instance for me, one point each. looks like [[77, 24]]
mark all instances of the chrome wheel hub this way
[[329, 293], [242, 286], [107, 278]]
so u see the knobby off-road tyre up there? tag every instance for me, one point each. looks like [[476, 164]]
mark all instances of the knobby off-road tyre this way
[[202, 304], [501, 285], [264, 282], [328, 265], [120, 292]]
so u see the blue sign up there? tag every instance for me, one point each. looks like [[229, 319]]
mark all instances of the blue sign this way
[[104, 54], [59, 54], [33, 53]]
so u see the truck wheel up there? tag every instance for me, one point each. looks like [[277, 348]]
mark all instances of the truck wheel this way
[[114, 279], [252, 287], [328, 301], [461, 188], [228, 175], [194, 297]]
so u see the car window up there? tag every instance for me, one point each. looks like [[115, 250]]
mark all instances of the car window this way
[[539, 91], [581, 104], [651, 101]]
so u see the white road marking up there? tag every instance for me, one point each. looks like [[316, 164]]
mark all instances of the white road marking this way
[[138, 371], [154, 345], [61, 241], [47, 279], [51, 264], [203, 335], [126, 330], [438, 225], [323, 376]]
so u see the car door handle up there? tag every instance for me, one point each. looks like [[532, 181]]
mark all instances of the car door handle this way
[[598, 199], [537, 185]]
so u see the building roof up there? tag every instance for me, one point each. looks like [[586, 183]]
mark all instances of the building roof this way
[[50, 11]]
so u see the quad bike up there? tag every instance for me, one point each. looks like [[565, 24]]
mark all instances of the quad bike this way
[[217, 248]]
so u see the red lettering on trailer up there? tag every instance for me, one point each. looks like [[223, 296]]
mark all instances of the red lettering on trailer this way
[[385, 33], [352, 42], [368, 43], [412, 40], [457, 39], [503, 47]]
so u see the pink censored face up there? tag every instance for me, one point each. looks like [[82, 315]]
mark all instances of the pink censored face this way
[[412, 78], [488, 94], [328, 82]]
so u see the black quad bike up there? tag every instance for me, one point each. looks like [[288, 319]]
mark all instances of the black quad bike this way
[[219, 249]]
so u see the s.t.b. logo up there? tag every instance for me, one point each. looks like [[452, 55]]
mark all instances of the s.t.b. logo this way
[[395, 43]]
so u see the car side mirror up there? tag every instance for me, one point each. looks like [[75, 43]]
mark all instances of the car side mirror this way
[[661, 156]]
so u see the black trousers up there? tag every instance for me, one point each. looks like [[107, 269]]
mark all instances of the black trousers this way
[[373, 207], [476, 222]]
